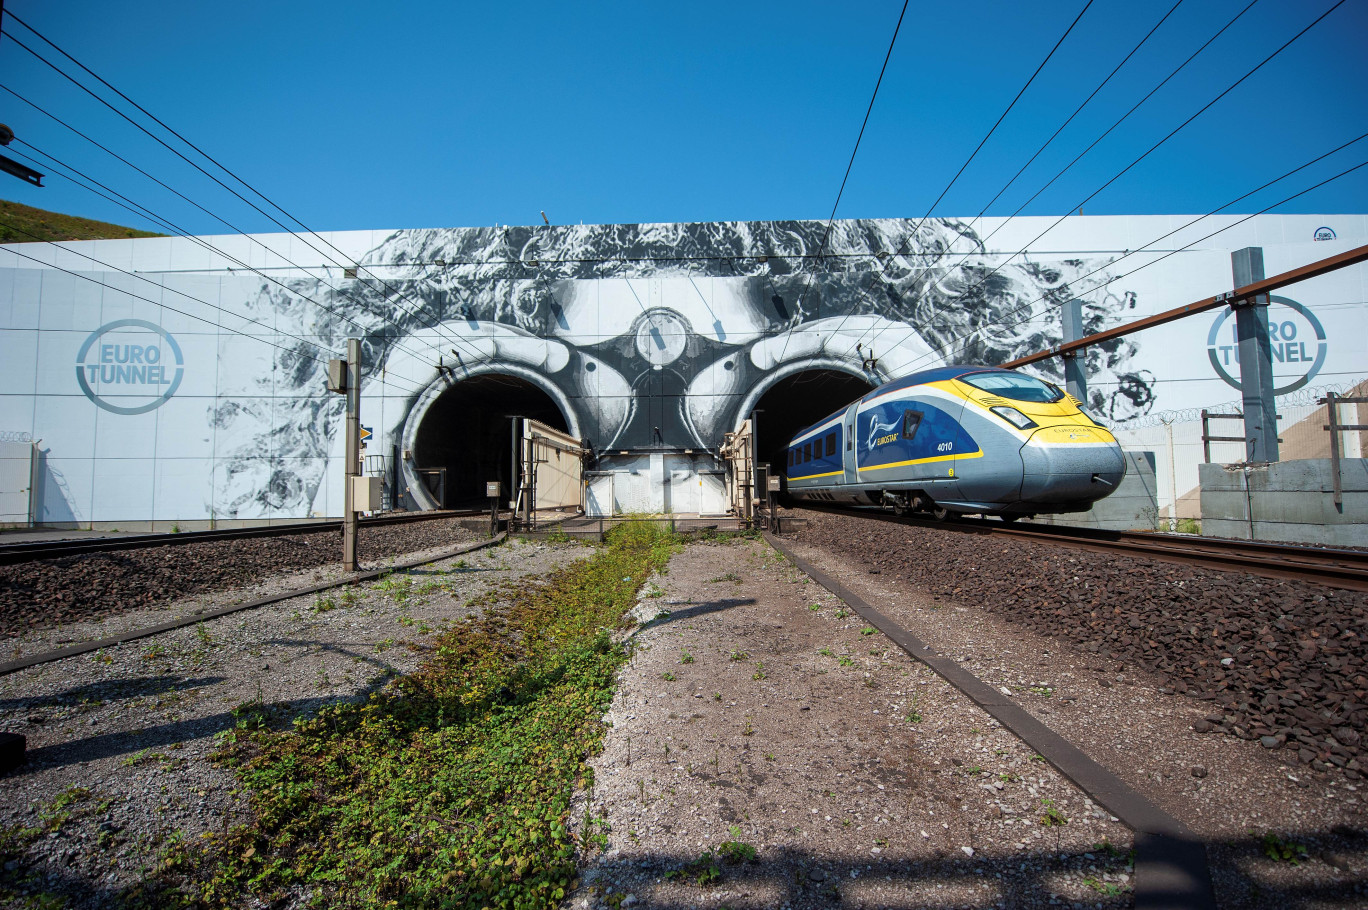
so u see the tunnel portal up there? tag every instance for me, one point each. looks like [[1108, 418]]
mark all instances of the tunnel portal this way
[[467, 432], [796, 402]]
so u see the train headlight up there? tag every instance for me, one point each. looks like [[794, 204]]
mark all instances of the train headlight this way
[[1014, 417]]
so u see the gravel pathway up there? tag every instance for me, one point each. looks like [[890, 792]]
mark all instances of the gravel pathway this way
[[758, 711]]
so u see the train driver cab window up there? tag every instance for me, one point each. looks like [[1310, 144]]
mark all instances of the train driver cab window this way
[[831, 444], [1016, 386], [807, 451], [911, 421]]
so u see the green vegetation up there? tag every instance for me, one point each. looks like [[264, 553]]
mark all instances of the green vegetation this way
[[451, 787], [1283, 851], [1050, 816], [23, 224]]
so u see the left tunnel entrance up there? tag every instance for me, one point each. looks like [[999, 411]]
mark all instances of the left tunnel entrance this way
[[468, 431]]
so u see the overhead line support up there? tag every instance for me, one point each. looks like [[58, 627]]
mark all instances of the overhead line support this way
[[1255, 289]]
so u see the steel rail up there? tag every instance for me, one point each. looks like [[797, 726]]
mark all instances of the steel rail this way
[[1171, 870], [1335, 568], [31, 550], [198, 616], [1304, 273]]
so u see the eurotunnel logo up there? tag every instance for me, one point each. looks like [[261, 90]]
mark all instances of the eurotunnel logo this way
[[1296, 340], [130, 366], [1324, 233]]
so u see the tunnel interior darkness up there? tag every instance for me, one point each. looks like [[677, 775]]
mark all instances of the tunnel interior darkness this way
[[796, 402], [468, 431]]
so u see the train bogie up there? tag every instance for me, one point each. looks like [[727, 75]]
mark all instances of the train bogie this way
[[959, 439]]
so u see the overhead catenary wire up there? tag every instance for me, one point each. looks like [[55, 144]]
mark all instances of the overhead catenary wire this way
[[1110, 264], [984, 242], [436, 327], [826, 234], [13, 251], [134, 207], [1080, 156], [209, 158], [1078, 110], [250, 237], [982, 280], [1000, 323], [978, 148]]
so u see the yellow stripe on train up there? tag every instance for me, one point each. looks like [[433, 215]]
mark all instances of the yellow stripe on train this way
[[899, 464]]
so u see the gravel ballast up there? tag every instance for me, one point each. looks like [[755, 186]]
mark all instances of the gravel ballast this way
[[130, 731], [44, 593], [1278, 662]]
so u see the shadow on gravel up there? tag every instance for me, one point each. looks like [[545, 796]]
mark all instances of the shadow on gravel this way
[[113, 690], [692, 612], [107, 745], [334, 647], [798, 879]]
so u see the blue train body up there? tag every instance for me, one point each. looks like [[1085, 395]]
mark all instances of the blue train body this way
[[960, 439]]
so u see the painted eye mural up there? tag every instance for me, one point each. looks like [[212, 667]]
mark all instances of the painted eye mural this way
[[646, 342]]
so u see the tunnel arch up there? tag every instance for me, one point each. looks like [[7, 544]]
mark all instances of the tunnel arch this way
[[464, 426], [797, 396]]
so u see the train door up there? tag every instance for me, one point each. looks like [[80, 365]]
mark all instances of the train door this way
[[851, 474]]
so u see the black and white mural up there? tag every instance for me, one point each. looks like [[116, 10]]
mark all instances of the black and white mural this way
[[648, 341]]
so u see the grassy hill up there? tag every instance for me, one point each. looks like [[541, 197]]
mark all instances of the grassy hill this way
[[52, 226]]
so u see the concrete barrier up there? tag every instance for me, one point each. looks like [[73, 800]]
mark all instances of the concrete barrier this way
[[1291, 501], [1133, 507]]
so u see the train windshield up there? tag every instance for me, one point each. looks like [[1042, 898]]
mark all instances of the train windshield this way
[[1015, 386]]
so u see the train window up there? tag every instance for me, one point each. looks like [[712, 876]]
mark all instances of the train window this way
[[831, 444], [911, 421], [1015, 386], [807, 452]]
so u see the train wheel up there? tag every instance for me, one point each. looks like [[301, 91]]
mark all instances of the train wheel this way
[[1008, 519], [899, 508], [940, 513]]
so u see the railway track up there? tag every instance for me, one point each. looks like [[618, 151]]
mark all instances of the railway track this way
[[1335, 568], [31, 550]]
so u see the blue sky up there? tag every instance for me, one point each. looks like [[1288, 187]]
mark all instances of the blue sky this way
[[360, 115]]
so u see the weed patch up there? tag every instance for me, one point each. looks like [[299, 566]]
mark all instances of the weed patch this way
[[451, 787]]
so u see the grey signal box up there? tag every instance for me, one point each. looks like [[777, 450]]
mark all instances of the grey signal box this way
[[337, 376], [494, 489]]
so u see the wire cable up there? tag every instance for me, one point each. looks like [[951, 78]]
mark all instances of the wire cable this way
[[453, 339], [217, 307], [212, 160], [11, 250], [1000, 323], [250, 237], [984, 141], [1151, 243], [826, 234], [1150, 150], [983, 243]]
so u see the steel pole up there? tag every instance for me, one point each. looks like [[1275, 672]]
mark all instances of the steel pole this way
[[1075, 362], [353, 454], [1256, 360]]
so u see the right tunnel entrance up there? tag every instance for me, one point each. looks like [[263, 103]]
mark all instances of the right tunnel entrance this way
[[796, 402]]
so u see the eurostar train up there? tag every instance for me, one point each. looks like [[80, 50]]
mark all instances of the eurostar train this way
[[959, 440]]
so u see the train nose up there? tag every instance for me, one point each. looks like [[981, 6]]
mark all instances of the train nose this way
[[1070, 464]]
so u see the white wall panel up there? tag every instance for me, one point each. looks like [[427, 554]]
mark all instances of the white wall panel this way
[[122, 489], [251, 429]]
